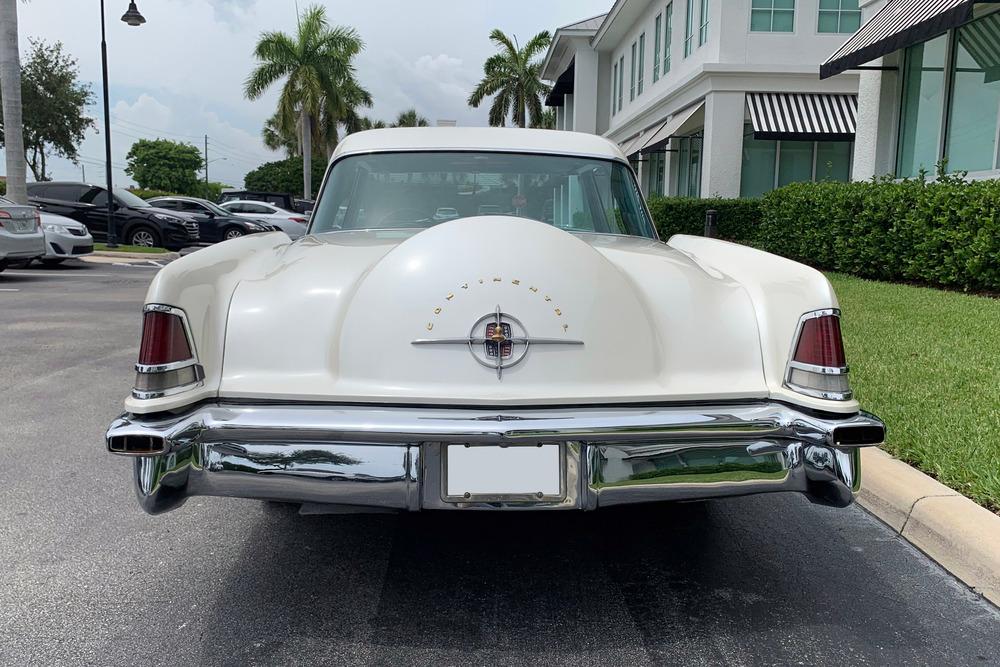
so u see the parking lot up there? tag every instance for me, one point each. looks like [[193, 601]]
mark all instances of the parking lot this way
[[88, 578]]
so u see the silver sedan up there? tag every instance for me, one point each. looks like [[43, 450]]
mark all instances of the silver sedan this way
[[64, 238], [21, 237]]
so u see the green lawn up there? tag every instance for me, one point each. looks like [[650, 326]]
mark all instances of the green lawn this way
[[129, 248], [928, 363]]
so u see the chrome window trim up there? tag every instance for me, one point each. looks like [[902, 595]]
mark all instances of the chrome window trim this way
[[175, 365], [810, 368]]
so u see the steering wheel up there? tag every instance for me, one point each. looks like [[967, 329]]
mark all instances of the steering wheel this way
[[420, 217]]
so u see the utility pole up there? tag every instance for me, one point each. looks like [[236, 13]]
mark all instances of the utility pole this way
[[83, 167], [206, 165]]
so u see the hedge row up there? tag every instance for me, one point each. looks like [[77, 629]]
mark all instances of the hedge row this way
[[945, 233]]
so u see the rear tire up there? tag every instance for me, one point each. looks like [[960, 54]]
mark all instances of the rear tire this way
[[145, 237], [52, 261], [3, 265]]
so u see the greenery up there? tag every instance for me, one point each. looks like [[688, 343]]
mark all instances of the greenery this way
[[944, 233], [210, 191], [283, 176], [3, 186], [737, 218], [926, 361], [513, 78], [129, 248], [410, 118], [161, 164], [320, 89], [54, 105]]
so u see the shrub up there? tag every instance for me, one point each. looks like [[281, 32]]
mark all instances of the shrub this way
[[737, 220], [945, 233], [284, 176], [3, 186], [149, 194]]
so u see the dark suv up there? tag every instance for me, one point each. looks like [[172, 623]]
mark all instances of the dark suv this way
[[216, 223], [136, 222]]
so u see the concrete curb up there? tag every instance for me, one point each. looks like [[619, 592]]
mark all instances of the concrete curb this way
[[963, 537], [135, 255]]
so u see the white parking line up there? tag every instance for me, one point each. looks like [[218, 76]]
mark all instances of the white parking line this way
[[153, 261], [9, 289]]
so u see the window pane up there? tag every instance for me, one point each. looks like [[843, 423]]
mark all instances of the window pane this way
[[850, 21], [833, 161], [829, 22], [796, 162], [760, 20], [975, 98], [757, 176], [783, 22], [923, 103], [831, 4], [784, 4]]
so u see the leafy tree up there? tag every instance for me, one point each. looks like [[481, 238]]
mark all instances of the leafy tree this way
[[161, 164], [10, 87], [547, 121], [317, 68], [283, 176], [410, 118], [362, 123], [514, 79], [54, 106]]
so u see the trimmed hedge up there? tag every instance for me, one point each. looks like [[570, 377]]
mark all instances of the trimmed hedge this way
[[737, 220], [945, 233]]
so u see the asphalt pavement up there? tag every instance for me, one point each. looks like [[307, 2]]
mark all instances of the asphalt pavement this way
[[87, 578]]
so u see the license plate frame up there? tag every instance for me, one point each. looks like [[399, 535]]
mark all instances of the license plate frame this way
[[455, 458]]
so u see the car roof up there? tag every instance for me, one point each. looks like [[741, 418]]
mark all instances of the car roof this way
[[499, 139], [251, 201]]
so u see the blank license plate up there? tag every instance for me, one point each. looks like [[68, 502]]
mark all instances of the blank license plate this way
[[526, 472]]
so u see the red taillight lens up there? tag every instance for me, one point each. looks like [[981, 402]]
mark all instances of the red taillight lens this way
[[38, 220], [302, 220], [820, 343], [163, 340]]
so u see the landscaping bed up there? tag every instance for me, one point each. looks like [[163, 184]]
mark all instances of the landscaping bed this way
[[129, 248], [928, 363]]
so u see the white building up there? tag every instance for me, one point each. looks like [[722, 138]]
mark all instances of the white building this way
[[712, 97], [930, 87]]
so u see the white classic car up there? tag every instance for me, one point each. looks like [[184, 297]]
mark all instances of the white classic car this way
[[558, 356]]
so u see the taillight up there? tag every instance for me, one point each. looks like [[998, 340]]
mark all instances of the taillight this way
[[818, 365], [38, 221], [167, 361], [302, 220]]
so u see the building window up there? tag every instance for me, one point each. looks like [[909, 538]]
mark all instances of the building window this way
[[703, 23], [922, 106], [656, 48], [771, 164], [656, 163], [621, 81], [838, 16], [614, 88], [971, 133], [642, 61], [689, 29], [689, 166], [631, 76], [668, 37], [772, 16]]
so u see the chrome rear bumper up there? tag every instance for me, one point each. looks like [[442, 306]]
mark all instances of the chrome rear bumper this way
[[391, 458]]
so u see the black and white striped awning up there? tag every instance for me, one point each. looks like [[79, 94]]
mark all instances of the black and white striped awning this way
[[803, 116], [901, 23]]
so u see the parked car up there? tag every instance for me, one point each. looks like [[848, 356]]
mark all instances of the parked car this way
[[214, 222], [445, 213], [488, 363], [136, 222], [65, 238], [293, 224], [21, 236]]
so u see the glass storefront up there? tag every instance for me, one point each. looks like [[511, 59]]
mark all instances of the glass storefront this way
[[951, 84], [656, 164], [688, 166], [771, 164]]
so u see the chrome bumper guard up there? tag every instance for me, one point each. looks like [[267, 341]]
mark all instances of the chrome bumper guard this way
[[391, 458]]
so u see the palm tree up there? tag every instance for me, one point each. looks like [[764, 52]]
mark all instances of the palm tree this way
[[316, 66], [547, 121], [410, 118], [279, 138], [10, 90], [362, 123], [514, 78]]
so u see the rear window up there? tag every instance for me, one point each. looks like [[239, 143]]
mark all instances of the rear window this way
[[414, 190]]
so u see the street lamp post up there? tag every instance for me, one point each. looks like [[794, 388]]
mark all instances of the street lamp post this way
[[133, 18]]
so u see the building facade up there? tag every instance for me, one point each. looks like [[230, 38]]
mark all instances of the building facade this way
[[712, 97], [929, 90]]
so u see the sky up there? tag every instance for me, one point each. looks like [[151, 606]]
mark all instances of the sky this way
[[180, 76]]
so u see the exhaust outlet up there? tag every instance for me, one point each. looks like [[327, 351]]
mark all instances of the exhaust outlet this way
[[137, 445]]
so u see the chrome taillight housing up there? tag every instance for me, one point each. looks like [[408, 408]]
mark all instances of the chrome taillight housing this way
[[168, 363], [817, 365]]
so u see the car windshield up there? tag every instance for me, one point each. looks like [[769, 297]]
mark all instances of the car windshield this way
[[416, 190], [214, 208], [130, 199]]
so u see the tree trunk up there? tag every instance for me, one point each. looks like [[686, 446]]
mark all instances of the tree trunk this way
[[306, 156], [10, 88]]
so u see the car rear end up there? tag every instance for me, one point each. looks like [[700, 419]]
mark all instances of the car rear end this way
[[21, 236]]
